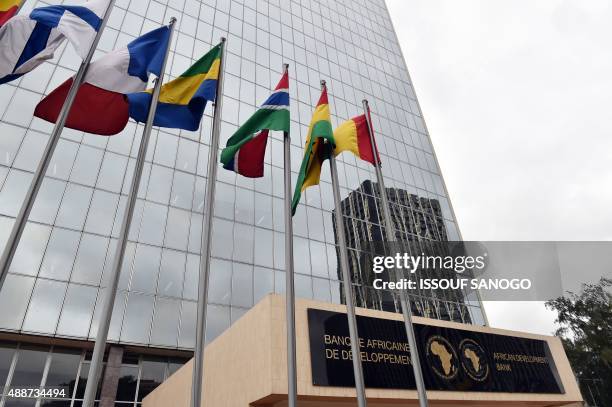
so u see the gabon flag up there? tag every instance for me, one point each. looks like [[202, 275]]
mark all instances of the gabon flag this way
[[182, 101], [8, 8], [354, 136], [316, 151], [101, 106], [245, 151]]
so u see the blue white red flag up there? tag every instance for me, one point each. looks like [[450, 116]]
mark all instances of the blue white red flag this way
[[28, 41], [100, 106]]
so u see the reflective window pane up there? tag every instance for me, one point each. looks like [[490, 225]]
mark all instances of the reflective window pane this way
[[77, 311], [177, 229], [89, 262], [63, 369], [137, 320], [15, 295], [128, 380], [192, 270], [7, 351], [60, 253], [9, 142], [242, 285], [146, 266], [160, 184], [165, 322], [13, 192], [188, 323], [48, 200], [86, 166], [29, 368], [153, 224], [171, 273], [152, 375], [182, 190], [102, 213], [44, 309], [112, 171], [74, 207], [30, 151], [220, 281], [243, 243], [218, 321]]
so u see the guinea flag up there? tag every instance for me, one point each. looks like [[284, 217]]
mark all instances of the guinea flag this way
[[354, 136], [316, 152], [8, 8], [101, 105], [245, 151]]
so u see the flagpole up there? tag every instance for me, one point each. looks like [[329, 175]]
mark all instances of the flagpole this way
[[289, 276], [346, 280], [39, 175], [108, 302], [207, 226], [390, 233]]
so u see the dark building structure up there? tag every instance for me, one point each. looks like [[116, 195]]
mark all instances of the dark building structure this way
[[419, 224]]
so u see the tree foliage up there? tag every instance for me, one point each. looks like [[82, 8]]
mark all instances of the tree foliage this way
[[585, 328]]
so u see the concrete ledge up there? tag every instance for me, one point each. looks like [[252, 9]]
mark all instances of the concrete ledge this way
[[246, 366]]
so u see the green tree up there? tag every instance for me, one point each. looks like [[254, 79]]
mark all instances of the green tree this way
[[585, 327]]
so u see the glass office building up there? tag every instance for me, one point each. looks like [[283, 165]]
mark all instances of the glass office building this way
[[49, 306]]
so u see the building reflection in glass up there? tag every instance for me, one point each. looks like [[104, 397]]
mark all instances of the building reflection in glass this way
[[418, 222]]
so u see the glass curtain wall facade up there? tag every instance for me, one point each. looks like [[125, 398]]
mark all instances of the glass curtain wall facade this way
[[61, 268], [65, 370]]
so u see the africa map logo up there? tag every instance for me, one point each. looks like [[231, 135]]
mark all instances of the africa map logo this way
[[473, 360], [445, 361], [442, 357]]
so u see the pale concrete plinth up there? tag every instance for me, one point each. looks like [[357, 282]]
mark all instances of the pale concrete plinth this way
[[247, 366]]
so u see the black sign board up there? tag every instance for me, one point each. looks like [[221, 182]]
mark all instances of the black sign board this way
[[451, 359]]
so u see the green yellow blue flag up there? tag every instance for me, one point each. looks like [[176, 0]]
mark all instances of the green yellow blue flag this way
[[182, 101]]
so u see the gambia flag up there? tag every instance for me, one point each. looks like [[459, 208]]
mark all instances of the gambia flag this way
[[182, 101], [8, 8], [354, 136], [245, 151], [316, 152]]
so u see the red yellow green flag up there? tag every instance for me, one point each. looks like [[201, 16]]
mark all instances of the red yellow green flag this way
[[315, 152]]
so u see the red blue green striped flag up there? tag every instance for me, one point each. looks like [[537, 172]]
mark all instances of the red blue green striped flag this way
[[245, 151]]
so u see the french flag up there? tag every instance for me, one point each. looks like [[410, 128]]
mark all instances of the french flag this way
[[100, 106], [28, 41]]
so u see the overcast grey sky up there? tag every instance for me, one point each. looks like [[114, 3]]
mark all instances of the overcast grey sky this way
[[517, 95]]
